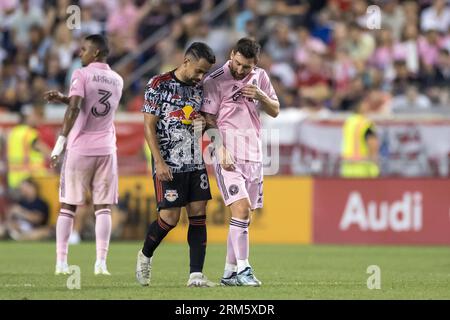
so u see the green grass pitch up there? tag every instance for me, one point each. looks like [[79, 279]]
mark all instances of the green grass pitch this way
[[287, 272]]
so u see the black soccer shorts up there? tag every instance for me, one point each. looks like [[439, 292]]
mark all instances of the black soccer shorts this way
[[186, 187]]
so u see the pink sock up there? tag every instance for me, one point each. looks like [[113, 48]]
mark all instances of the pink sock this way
[[102, 232], [231, 256], [239, 237], [64, 226]]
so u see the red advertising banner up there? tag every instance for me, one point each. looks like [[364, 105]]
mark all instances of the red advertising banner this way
[[382, 211]]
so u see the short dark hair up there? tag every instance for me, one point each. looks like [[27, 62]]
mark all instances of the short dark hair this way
[[100, 42], [249, 48], [201, 50]]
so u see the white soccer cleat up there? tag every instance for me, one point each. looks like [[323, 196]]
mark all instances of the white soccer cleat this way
[[101, 269], [143, 269], [247, 278], [198, 279], [61, 268], [231, 281]]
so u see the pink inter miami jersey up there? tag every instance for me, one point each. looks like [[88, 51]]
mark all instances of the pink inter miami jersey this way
[[237, 116], [93, 133]]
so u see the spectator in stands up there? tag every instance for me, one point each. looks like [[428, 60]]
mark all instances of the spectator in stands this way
[[313, 100], [393, 17], [436, 17], [429, 49], [411, 10], [88, 25], [281, 43], [125, 19], [38, 48], [22, 20], [307, 44], [360, 44], [314, 73], [410, 48], [402, 78], [64, 47], [297, 11], [249, 12], [346, 99], [411, 99], [27, 217]]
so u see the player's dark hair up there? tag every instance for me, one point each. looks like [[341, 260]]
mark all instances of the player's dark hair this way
[[100, 42], [249, 48], [201, 50]]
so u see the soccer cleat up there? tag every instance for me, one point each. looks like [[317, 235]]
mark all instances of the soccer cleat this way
[[143, 269], [247, 278], [100, 269], [61, 268], [230, 281], [198, 279]]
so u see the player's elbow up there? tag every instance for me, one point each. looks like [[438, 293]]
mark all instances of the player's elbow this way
[[274, 112]]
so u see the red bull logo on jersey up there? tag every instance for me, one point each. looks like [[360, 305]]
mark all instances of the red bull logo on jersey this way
[[185, 115]]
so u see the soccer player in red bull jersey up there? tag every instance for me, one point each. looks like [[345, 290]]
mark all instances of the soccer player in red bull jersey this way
[[234, 96], [171, 111]]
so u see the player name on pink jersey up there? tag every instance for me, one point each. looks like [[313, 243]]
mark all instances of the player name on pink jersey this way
[[93, 133]]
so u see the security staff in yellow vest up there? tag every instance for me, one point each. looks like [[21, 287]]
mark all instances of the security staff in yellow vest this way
[[26, 154], [360, 145]]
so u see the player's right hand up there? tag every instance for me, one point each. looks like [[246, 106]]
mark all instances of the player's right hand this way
[[163, 172], [53, 96], [226, 160]]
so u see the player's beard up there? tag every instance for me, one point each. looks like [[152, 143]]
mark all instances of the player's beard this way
[[236, 75]]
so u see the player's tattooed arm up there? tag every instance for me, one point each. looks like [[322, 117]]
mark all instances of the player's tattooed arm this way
[[69, 120], [71, 114], [163, 171], [269, 105]]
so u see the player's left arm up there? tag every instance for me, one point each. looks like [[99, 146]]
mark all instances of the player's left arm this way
[[75, 100], [69, 120]]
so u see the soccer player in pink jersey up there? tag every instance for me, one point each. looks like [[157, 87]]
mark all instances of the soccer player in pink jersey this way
[[233, 97], [89, 137]]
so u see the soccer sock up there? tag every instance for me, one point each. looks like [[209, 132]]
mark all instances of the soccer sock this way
[[231, 263], [239, 239], [197, 238], [64, 226], [156, 232], [102, 233]]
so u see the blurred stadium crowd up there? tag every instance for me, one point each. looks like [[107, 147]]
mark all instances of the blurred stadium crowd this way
[[320, 53]]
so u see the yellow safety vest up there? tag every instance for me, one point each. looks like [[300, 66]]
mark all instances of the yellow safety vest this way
[[355, 163], [23, 161], [148, 155]]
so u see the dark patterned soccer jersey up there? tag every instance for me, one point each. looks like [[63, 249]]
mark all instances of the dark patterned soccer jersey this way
[[176, 104]]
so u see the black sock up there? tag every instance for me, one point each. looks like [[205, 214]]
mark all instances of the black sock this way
[[197, 242], [157, 230]]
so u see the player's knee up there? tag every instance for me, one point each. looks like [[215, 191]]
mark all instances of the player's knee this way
[[243, 212], [171, 220]]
